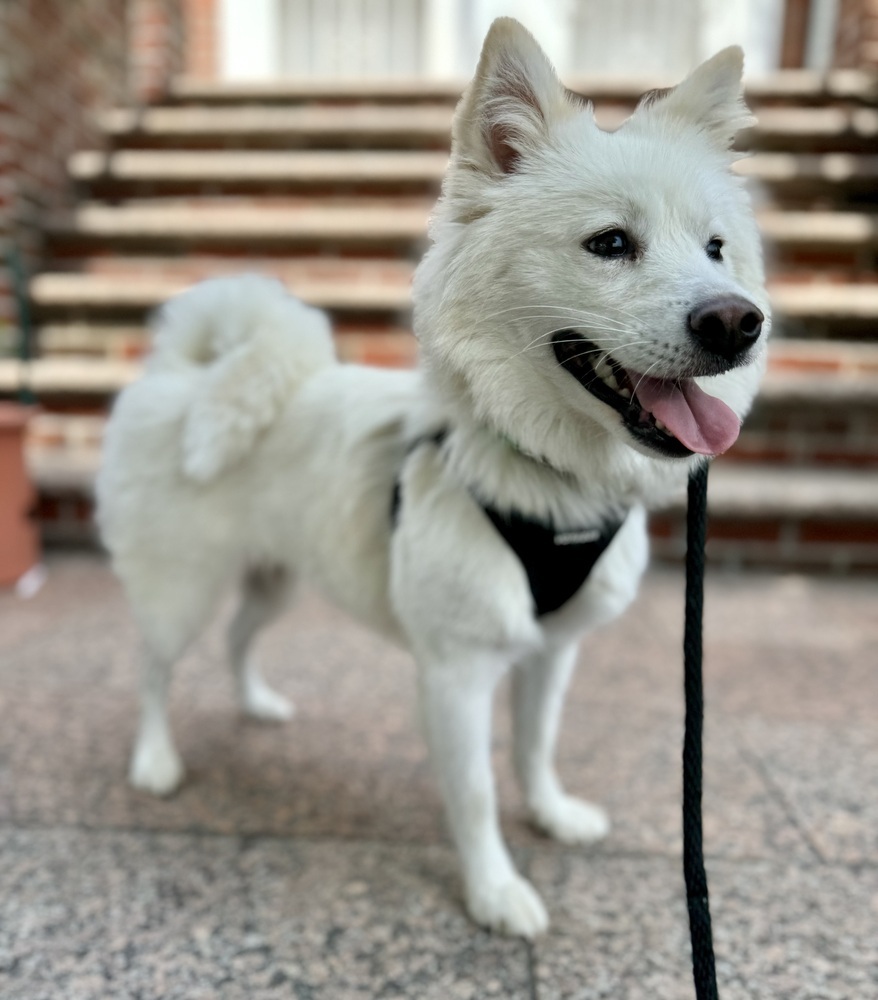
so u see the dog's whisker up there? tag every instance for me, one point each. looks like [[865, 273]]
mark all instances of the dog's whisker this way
[[644, 375], [543, 339], [571, 310], [593, 350], [608, 333], [590, 324], [577, 317]]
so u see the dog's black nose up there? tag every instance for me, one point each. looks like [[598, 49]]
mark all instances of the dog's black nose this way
[[727, 325]]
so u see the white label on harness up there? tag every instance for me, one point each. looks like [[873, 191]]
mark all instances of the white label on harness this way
[[577, 537]]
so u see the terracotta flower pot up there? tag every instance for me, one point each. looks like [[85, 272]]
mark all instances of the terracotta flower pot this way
[[19, 541]]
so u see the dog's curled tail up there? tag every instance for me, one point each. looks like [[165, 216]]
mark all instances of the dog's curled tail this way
[[252, 344]]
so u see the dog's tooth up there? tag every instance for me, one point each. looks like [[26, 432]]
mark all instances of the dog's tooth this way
[[625, 393], [660, 425], [611, 381]]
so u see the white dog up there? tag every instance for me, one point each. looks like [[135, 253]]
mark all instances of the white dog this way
[[592, 318]]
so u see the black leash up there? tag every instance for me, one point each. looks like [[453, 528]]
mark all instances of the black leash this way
[[703, 963]]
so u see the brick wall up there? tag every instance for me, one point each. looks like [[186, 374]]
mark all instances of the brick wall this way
[[156, 45], [856, 40], [202, 39], [60, 62]]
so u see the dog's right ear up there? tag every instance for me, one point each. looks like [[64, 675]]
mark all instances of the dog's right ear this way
[[709, 99], [506, 110]]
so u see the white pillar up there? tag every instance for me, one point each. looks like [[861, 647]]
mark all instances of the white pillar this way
[[249, 39], [756, 25], [443, 30], [549, 21], [820, 45]]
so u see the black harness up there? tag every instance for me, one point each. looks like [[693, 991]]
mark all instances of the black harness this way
[[557, 563]]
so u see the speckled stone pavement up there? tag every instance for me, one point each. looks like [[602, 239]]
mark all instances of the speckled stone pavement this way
[[310, 861]]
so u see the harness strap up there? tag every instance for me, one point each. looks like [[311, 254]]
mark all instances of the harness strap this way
[[557, 563]]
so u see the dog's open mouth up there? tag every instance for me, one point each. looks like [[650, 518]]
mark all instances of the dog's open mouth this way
[[672, 416]]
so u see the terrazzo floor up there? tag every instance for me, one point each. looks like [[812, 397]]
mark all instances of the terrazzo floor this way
[[310, 860]]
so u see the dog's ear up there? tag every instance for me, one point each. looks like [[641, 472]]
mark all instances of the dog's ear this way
[[506, 110], [709, 99]]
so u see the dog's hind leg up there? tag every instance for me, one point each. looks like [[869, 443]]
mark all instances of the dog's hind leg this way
[[457, 707], [265, 592], [538, 688], [155, 764], [171, 604]]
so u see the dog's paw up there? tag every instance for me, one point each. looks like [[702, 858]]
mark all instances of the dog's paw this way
[[512, 907], [259, 701], [156, 768], [571, 820]]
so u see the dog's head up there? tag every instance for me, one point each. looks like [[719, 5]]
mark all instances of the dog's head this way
[[586, 284]]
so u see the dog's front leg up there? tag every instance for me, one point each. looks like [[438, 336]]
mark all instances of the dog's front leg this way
[[539, 685], [457, 708]]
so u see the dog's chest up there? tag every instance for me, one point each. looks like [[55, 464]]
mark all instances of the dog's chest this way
[[557, 563]]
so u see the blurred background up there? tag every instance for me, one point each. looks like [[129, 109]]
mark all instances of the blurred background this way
[[145, 144], [148, 143]]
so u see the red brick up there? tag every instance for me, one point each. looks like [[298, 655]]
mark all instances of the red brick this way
[[663, 526], [857, 532], [744, 530]]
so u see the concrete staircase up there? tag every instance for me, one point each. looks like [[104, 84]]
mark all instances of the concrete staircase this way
[[330, 190]]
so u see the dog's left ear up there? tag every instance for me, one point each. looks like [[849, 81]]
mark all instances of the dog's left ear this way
[[709, 99], [506, 110]]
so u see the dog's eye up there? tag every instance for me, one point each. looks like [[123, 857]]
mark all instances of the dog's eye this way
[[714, 249], [614, 243]]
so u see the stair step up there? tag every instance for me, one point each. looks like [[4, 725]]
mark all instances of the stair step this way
[[256, 224], [392, 90], [99, 377], [790, 517], [265, 126], [127, 341], [818, 406], [261, 169], [757, 492], [824, 309], [817, 413], [346, 285], [788, 85], [63, 451], [796, 172], [379, 343], [816, 356], [379, 222], [806, 388], [406, 126], [814, 129], [811, 380], [787, 517], [105, 340], [378, 285], [850, 231], [807, 176]]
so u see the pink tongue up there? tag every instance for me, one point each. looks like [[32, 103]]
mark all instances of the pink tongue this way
[[704, 424]]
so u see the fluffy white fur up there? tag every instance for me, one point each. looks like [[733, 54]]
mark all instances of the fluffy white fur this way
[[247, 453]]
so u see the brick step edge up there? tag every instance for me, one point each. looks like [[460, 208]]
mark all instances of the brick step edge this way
[[786, 85], [847, 378], [781, 518], [793, 518]]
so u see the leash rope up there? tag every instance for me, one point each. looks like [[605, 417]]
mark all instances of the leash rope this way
[[703, 962]]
